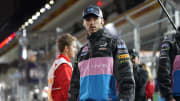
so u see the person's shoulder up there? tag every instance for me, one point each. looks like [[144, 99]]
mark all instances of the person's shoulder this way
[[169, 37], [110, 35], [65, 67], [142, 71], [116, 40], [168, 41], [84, 46]]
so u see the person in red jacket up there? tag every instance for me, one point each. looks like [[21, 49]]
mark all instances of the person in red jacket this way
[[150, 86], [59, 75]]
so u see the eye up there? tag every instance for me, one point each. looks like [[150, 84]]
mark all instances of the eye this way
[[94, 17], [88, 19]]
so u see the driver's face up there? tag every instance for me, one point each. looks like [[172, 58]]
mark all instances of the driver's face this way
[[93, 23]]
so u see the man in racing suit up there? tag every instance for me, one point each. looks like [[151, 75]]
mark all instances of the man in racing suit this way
[[102, 70], [140, 76], [59, 74], [168, 62]]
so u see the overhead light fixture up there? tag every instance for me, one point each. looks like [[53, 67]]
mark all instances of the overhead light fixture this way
[[42, 10], [8, 39], [30, 21], [26, 23], [24, 53], [38, 14], [58, 29], [51, 2], [47, 6], [23, 26], [34, 17]]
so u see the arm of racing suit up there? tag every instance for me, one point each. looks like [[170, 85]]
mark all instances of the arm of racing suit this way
[[123, 72], [143, 79], [75, 82], [164, 71]]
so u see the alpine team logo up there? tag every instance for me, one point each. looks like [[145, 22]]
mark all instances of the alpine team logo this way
[[85, 49], [121, 46]]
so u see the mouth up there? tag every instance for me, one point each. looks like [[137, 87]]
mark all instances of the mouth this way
[[92, 27]]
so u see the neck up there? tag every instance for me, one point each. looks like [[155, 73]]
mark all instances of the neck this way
[[65, 53]]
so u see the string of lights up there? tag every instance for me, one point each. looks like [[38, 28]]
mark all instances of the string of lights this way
[[34, 17]]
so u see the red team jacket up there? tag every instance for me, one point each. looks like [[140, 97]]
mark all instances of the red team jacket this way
[[59, 77]]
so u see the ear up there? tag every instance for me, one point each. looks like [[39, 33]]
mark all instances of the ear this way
[[83, 23], [66, 49], [102, 21]]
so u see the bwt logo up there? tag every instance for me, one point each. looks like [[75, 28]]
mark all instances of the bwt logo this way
[[99, 66]]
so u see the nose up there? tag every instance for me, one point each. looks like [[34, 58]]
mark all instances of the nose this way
[[92, 21]]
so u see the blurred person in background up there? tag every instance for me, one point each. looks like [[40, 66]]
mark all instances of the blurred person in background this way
[[169, 67], [140, 76], [59, 75], [150, 86], [35, 97], [101, 65]]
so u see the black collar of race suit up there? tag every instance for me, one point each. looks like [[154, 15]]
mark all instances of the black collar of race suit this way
[[96, 35]]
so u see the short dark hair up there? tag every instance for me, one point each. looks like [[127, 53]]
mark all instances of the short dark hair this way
[[133, 53], [65, 40]]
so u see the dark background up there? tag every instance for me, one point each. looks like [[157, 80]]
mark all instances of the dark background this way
[[13, 13]]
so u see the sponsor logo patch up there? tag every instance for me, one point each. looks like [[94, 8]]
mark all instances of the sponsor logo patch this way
[[85, 49], [123, 56], [123, 61], [50, 81], [163, 53], [164, 45], [121, 46], [122, 51], [102, 48], [103, 45], [83, 53]]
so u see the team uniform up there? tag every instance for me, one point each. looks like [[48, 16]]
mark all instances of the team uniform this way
[[59, 77], [102, 71], [169, 68]]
